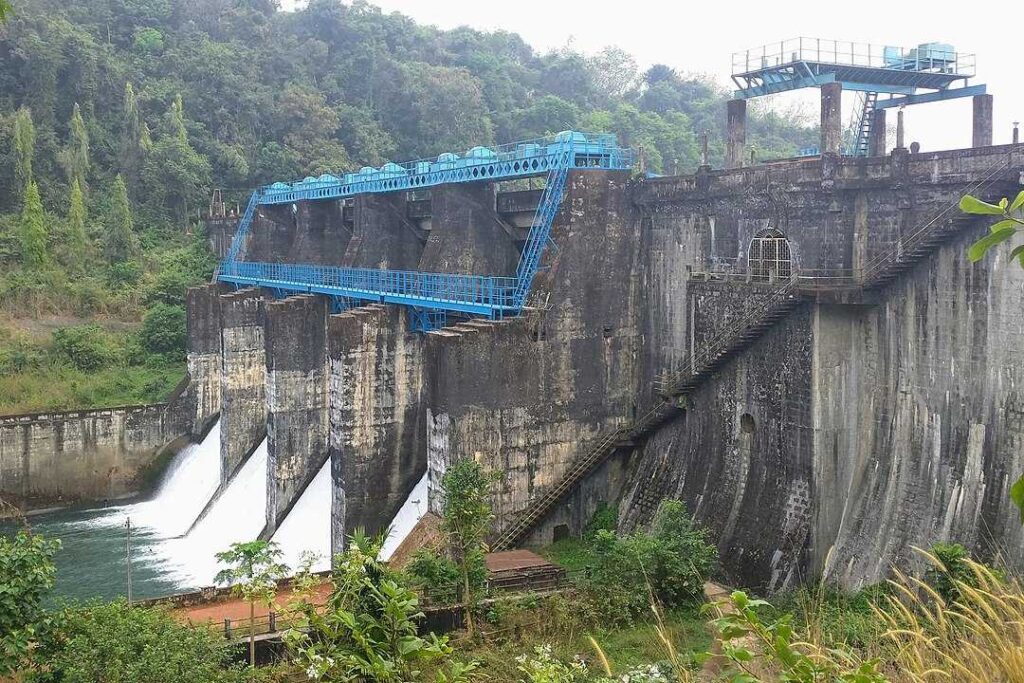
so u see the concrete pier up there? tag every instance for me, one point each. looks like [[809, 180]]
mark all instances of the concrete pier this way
[[982, 128], [467, 236], [831, 118], [243, 415], [296, 399]]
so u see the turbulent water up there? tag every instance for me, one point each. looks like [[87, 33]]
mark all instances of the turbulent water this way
[[176, 534]]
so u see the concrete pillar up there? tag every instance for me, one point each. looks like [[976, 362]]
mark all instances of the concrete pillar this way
[[296, 361], [736, 130], [831, 118], [203, 354], [982, 121], [878, 144], [382, 234], [243, 415], [377, 432], [466, 234], [901, 133], [320, 234]]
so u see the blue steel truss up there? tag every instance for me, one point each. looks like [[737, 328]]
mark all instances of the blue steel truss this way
[[899, 73], [431, 295]]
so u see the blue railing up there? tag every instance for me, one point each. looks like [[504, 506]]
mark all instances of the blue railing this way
[[494, 297]]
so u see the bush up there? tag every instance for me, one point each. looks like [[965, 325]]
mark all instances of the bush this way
[[86, 347], [115, 642], [673, 559], [605, 518], [952, 568], [163, 331], [427, 569]]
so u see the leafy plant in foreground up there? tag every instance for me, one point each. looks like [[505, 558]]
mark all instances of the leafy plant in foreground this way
[[26, 574], [253, 571]]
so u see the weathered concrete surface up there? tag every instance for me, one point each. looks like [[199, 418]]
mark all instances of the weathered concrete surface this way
[[377, 428], [466, 234], [296, 394], [383, 236], [736, 127], [243, 414], [55, 459], [203, 357], [918, 417], [831, 118], [304, 232]]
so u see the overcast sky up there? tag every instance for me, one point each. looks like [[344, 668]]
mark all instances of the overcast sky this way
[[700, 36]]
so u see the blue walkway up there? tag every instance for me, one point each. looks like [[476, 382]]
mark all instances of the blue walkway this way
[[431, 295]]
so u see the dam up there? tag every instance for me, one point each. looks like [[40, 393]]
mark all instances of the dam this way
[[798, 349]]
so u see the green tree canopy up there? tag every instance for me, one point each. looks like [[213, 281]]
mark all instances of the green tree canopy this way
[[119, 242], [32, 232]]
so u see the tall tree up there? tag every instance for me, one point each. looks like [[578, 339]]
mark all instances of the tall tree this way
[[135, 140], [74, 244], [175, 174], [32, 229], [24, 146], [119, 242], [75, 156]]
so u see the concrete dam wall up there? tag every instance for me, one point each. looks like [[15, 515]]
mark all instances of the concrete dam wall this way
[[881, 409]]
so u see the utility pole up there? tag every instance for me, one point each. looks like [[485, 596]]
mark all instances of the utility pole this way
[[128, 556]]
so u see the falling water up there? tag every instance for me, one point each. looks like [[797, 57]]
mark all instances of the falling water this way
[[411, 512], [307, 528], [237, 515]]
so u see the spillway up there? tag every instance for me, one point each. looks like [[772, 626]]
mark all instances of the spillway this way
[[307, 528], [237, 515], [411, 512]]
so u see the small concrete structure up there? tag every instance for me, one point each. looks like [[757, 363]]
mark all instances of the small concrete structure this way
[[736, 131], [831, 118], [982, 129]]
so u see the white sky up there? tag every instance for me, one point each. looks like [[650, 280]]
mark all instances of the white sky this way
[[701, 37]]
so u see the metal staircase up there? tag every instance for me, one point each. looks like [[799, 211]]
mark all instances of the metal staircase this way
[[862, 143], [761, 316]]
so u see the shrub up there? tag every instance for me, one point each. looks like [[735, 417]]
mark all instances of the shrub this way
[[428, 569], [86, 347], [163, 331], [674, 559], [605, 518], [951, 568]]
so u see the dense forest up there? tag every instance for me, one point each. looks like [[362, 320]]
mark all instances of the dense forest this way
[[118, 118]]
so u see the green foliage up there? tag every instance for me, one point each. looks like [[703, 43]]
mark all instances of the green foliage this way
[[74, 244], [1011, 223], [32, 233], [75, 157], [953, 570], [428, 569], [368, 630], [748, 641], [253, 570], [115, 642], [673, 559], [27, 571], [605, 518], [466, 520], [119, 241], [86, 347], [24, 146], [163, 331], [543, 667]]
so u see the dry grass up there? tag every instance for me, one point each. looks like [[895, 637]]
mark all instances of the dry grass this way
[[979, 638]]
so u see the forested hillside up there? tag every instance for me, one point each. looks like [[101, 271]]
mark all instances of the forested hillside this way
[[118, 117]]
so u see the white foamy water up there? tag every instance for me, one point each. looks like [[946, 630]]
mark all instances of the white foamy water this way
[[411, 512], [307, 528], [238, 515], [185, 489]]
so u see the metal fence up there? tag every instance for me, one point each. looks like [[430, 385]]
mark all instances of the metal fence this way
[[927, 57]]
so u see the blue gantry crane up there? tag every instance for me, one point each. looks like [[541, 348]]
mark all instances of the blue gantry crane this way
[[430, 297], [886, 76]]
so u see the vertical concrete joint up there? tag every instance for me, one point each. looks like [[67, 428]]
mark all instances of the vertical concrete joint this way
[[737, 133]]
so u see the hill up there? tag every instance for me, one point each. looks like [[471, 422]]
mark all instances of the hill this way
[[118, 117]]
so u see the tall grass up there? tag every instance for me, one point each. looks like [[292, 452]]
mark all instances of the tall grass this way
[[977, 638]]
